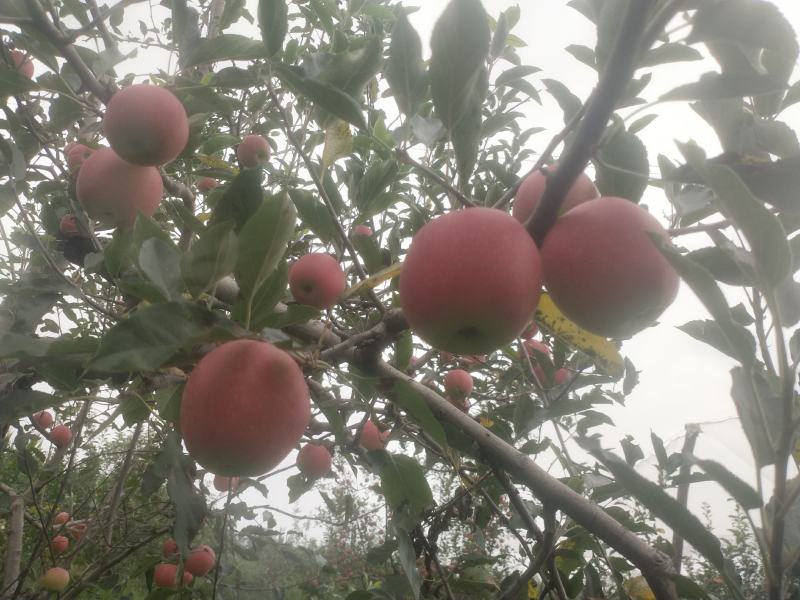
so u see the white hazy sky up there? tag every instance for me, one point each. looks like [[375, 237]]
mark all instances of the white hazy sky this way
[[682, 381]]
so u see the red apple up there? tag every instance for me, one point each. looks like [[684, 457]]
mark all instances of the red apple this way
[[77, 155], [43, 418], [362, 230], [170, 548], [458, 384], [223, 484], [59, 544], [245, 407], [187, 578], [317, 280], [204, 184], [22, 63], [603, 270], [470, 281], [200, 561], [60, 436], [61, 518], [253, 152], [115, 191], [55, 579], [561, 376], [69, 226], [532, 188], [165, 575], [146, 125], [372, 438], [314, 460]]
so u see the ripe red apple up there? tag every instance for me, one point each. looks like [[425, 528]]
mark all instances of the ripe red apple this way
[[59, 544], [200, 561], [470, 281], [204, 184], [165, 575], [78, 530], [362, 230], [253, 152], [22, 63], [61, 518], [603, 270], [69, 226], [77, 155], [314, 460], [146, 125], [187, 578], [43, 418], [170, 548], [60, 436], [222, 483], [458, 384], [55, 579], [317, 280], [114, 191], [561, 376], [373, 438], [532, 188], [245, 407]]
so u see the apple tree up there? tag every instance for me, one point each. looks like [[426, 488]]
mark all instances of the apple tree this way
[[235, 229]]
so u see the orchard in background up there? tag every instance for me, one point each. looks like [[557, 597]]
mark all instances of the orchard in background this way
[[311, 247]]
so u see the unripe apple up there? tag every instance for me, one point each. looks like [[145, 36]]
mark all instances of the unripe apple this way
[[223, 484], [372, 438], [170, 548], [59, 544], [22, 63], [362, 230], [561, 376], [470, 281], [69, 226], [253, 152], [78, 530], [527, 198], [77, 155], [55, 579], [114, 191], [245, 406], [61, 518], [43, 418], [200, 561], [314, 460], [60, 436], [146, 125], [165, 575], [204, 184], [317, 280], [604, 271], [458, 384]]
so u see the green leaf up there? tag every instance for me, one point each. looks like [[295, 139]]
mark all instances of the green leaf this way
[[405, 69], [367, 248], [263, 242], [763, 230], [411, 401], [190, 507], [669, 53], [151, 336], [14, 83], [211, 257], [379, 175], [403, 483], [569, 102], [622, 166], [500, 36], [740, 490], [274, 24], [314, 214], [20, 403], [709, 332], [466, 133], [408, 556], [160, 262], [759, 412], [348, 70], [718, 86], [269, 294], [459, 47], [218, 142], [515, 73], [294, 313], [241, 199], [323, 95], [227, 46]]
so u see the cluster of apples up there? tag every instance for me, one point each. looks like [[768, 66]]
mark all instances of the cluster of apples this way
[[472, 278], [56, 579], [60, 435], [198, 564]]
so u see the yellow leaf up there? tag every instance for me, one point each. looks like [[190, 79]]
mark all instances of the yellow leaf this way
[[599, 349], [338, 143], [217, 163], [638, 589], [378, 278], [486, 422], [533, 590]]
